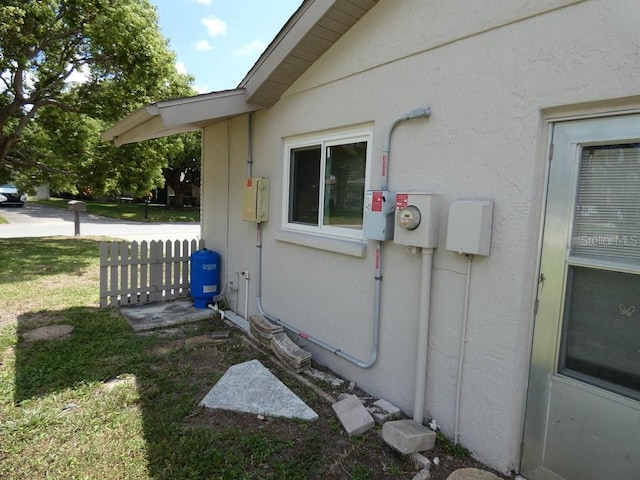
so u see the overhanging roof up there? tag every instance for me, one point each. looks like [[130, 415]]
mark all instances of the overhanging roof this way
[[311, 31], [178, 115]]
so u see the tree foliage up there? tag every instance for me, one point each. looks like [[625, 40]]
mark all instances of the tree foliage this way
[[68, 70], [183, 167]]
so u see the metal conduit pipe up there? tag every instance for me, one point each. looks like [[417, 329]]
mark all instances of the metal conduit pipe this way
[[423, 335], [463, 343], [310, 338], [386, 149], [417, 113]]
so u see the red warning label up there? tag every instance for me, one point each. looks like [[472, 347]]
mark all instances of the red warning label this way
[[249, 182], [376, 202], [402, 200]]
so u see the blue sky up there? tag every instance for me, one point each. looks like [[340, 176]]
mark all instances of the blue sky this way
[[218, 41]]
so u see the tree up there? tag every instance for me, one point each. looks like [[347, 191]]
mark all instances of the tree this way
[[183, 168], [70, 68]]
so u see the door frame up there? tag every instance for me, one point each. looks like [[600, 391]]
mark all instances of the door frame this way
[[564, 140]]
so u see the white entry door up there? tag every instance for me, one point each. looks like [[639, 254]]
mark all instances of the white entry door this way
[[583, 407]]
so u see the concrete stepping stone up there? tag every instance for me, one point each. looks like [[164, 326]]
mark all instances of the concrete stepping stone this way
[[251, 388], [472, 474], [48, 332]]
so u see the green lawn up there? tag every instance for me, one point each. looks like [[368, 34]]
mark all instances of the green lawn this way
[[107, 403], [133, 211]]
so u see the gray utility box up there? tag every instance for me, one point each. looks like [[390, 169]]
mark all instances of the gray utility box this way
[[379, 206], [418, 219], [469, 228]]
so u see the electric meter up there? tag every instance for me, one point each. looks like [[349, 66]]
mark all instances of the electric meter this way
[[418, 216], [409, 217]]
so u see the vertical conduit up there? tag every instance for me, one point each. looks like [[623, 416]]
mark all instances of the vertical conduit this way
[[418, 113], [463, 343], [423, 335]]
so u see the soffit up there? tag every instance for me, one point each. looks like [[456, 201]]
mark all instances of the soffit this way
[[310, 32], [179, 115]]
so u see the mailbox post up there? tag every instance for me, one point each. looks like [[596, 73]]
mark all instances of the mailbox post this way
[[77, 206]]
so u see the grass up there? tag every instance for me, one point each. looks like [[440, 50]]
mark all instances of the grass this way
[[105, 402], [132, 211]]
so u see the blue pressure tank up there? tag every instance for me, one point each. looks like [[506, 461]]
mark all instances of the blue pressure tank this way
[[204, 277]]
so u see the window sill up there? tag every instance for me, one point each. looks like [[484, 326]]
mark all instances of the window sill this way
[[353, 247]]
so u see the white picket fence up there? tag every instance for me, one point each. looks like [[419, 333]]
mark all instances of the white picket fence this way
[[144, 272]]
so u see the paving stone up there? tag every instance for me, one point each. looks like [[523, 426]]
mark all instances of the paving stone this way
[[220, 334], [325, 377], [289, 353], [48, 332], [262, 329], [422, 475], [251, 388], [407, 436], [383, 411], [353, 416], [420, 461], [472, 474], [159, 315]]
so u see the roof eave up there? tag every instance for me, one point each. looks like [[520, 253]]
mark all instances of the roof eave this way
[[179, 115]]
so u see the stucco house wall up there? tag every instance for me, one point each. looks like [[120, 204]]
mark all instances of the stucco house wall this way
[[494, 74]]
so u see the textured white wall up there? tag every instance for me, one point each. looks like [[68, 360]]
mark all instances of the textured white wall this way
[[490, 75]]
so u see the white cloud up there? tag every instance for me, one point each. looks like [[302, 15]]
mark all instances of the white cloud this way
[[202, 45], [181, 67], [204, 2], [201, 88], [251, 48], [215, 26]]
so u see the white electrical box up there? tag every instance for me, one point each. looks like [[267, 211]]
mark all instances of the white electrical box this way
[[255, 200], [379, 206], [469, 229], [417, 219]]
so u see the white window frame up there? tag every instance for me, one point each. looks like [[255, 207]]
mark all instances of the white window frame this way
[[324, 140]]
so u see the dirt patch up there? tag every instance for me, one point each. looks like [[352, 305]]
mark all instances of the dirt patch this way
[[320, 439]]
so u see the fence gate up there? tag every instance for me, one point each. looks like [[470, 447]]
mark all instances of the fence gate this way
[[144, 272]]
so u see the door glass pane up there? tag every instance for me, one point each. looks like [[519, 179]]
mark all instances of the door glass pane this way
[[601, 341], [344, 185], [304, 183], [607, 216]]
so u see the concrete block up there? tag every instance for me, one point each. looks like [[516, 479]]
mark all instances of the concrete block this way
[[407, 436], [353, 416], [383, 411], [420, 461], [325, 377], [422, 475]]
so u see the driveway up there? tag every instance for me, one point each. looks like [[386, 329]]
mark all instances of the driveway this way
[[35, 220]]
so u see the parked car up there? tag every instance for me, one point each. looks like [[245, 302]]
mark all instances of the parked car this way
[[10, 195]]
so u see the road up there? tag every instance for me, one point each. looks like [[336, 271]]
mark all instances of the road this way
[[35, 220]]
